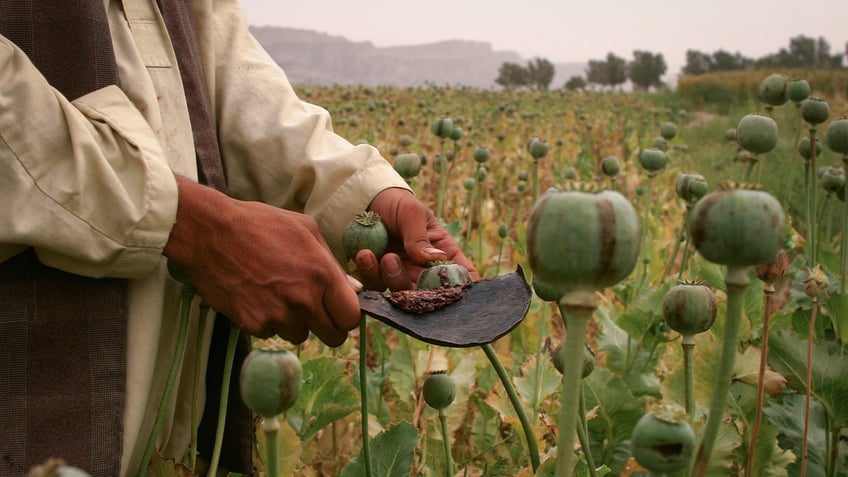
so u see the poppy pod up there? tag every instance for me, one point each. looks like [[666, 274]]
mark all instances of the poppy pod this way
[[583, 241]]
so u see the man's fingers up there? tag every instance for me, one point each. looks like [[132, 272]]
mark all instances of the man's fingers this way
[[369, 270], [342, 312], [394, 273]]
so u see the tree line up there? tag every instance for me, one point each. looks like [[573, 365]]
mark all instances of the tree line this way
[[646, 69]]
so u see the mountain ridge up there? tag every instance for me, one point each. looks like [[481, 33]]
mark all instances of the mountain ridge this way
[[315, 58]]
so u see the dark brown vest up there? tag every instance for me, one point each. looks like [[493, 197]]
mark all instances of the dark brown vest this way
[[63, 336]]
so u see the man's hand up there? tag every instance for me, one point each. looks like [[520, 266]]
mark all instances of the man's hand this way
[[415, 238], [267, 269]]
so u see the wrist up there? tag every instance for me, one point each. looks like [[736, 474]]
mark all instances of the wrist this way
[[198, 207]]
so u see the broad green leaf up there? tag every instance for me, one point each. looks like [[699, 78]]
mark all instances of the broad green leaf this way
[[539, 381], [837, 309], [326, 396], [616, 411], [788, 356], [769, 459], [788, 416], [403, 379], [392, 453]]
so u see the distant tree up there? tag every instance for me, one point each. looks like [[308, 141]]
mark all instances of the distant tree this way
[[512, 75], [597, 73], [540, 73], [611, 72], [726, 61], [697, 63], [617, 68], [646, 69], [803, 52], [575, 82]]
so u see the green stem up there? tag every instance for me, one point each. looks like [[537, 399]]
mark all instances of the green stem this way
[[470, 216], [532, 448], [808, 212], [500, 257], [576, 309], [176, 363], [808, 386], [737, 281], [363, 395], [480, 221], [843, 253], [768, 292], [685, 260], [689, 390], [814, 199], [681, 236], [225, 397], [443, 180], [271, 428], [535, 195], [198, 365], [537, 391], [820, 224], [443, 420], [751, 163], [791, 176], [833, 459], [583, 436]]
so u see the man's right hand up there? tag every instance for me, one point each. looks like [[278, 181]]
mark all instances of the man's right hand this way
[[268, 269]]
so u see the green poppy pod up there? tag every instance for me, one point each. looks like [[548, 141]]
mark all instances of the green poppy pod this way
[[468, 183], [652, 160], [408, 165], [772, 90], [757, 133], [456, 133], [481, 155], [815, 111], [738, 227], [837, 136], [663, 442], [690, 187], [660, 143], [270, 380], [406, 141], [442, 127], [570, 173], [481, 173], [523, 176], [521, 186], [730, 134], [798, 90], [546, 291], [805, 148], [689, 309], [558, 357], [583, 241], [502, 231], [832, 180], [439, 390], [668, 131], [442, 275], [537, 148], [610, 166], [365, 231]]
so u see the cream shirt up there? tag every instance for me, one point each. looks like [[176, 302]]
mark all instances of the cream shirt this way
[[89, 184]]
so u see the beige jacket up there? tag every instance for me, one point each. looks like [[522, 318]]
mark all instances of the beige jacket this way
[[109, 210]]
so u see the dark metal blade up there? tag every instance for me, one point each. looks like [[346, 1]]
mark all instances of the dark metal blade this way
[[488, 310]]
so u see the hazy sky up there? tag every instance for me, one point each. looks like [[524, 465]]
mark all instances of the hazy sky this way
[[563, 30]]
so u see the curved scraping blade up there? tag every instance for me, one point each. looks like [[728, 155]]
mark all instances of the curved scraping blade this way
[[489, 309]]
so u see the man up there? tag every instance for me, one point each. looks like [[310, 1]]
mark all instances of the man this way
[[100, 180]]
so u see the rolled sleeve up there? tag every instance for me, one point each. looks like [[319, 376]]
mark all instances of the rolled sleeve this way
[[85, 182]]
